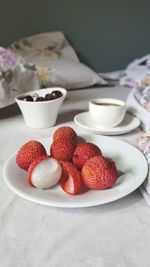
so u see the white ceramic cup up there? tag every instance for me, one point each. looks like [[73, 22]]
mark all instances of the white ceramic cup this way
[[41, 114], [106, 112]]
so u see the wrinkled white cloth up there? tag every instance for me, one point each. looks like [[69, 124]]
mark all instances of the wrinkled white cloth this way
[[137, 77], [112, 235], [137, 73], [144, 146], [138, 102], [135, 107], [112, 76]]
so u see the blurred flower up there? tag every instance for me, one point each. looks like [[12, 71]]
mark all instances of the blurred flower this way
[[8, 59], [49, 54], [43, 74]]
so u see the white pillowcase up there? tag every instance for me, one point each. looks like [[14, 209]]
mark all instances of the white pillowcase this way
[[56, 61], [67, 73]]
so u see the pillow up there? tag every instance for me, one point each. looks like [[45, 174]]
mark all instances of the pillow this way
[[49, 46], [55, 61], [65, 73], [15, 77]]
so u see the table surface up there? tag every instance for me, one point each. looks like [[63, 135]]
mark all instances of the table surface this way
[[111, 235]]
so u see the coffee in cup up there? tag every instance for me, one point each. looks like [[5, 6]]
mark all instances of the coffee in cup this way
[[107, 112]]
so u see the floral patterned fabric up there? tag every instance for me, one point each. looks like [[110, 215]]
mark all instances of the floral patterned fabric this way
[[142, 94], [139, 107], [44, 46], [137, 75], [56, 61], [16, 76], [41, 61], [8, 60], [144, 146]]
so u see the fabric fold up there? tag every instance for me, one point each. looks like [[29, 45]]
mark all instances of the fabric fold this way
[[144, 146]]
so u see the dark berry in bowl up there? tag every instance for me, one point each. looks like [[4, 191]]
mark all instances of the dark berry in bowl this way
[[48, 97], [56, 94], [40, 98], [26, 98]]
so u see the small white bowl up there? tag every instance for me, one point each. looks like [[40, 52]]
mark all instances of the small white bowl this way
[[42, 114], [107, 112]]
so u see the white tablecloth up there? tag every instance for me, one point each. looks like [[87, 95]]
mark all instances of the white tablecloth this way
[[31, 235]]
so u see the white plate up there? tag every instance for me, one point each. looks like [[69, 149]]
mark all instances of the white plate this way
[[128, 124], [127, 159]]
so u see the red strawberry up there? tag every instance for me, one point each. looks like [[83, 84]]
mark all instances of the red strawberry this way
[[29, 152], [70, 180], [99, 173], [84, 152], [62, 149], [65, 132]]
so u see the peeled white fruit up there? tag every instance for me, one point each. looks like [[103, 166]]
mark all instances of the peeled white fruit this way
[[46, 174]]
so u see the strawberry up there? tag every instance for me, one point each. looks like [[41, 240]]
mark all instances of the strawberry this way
[[99, 173], [84, 152], [70, 180], [29, 152]]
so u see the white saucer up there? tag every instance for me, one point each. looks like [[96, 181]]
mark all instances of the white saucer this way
[[128, 124]]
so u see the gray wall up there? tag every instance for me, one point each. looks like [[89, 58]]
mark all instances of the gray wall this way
[[107, 34]]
